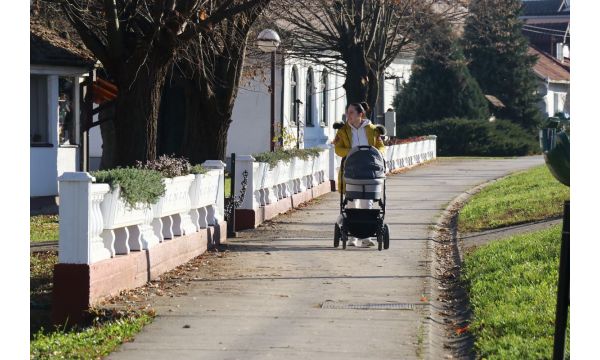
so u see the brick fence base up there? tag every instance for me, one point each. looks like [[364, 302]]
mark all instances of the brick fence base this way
[[77, 287]]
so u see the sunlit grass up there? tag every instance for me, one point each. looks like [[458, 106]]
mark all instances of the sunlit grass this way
[[523, 197]]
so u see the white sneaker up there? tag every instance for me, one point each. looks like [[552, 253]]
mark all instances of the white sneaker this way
[[361, 243], [368, 242]]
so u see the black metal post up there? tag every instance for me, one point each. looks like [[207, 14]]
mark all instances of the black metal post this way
[[271, 143], [562, 298], [231, 233]]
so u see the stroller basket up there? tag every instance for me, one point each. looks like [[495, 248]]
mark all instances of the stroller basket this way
[[362, 223]]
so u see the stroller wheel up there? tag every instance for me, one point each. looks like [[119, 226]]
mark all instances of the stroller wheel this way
[[386, 237], [344, 239], [379, 240], [337, 234]]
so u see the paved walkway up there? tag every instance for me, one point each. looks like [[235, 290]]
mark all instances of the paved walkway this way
[[267, 298]]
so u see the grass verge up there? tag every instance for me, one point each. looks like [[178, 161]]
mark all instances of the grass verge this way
[[512, 287], [522, 197], [93, 342], [109, 328], [43, 228]]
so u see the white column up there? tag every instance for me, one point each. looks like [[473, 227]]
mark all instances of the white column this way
[[245, 163], [80, 219], [217, 210]]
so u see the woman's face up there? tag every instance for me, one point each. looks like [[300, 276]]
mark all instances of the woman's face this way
[[353, 116]]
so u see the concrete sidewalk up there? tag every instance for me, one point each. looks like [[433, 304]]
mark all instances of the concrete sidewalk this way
[[283, 292]]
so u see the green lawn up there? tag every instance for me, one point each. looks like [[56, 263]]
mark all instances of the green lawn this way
[[92, 342], [512, 287], [522, 197], [43, 228], [110, 328]]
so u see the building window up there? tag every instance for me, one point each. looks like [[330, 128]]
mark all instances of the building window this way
[[310, 85], [38, 109], [324, 98], [294, 96], [67, 131]]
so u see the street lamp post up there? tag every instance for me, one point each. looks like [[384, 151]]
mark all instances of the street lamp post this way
[[268, 41]]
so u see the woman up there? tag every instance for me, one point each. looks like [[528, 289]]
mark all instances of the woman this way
[[357, 131]]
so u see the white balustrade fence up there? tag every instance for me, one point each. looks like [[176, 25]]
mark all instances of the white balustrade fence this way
[[267, 185], [410, 154], [96, 224]]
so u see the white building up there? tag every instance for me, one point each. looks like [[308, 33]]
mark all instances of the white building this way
[[553, 82], [322, 101], [57, 69]]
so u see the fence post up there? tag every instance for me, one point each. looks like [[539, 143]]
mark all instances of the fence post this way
[[80, 219], [232, 199], [332, 174], [220, 201], [246, 163], [562, 295]]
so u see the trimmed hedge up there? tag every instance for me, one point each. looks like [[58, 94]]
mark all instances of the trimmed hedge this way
[[463, 137], [286, 155]]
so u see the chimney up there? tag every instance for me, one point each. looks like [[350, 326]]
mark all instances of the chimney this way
[[559, 52]]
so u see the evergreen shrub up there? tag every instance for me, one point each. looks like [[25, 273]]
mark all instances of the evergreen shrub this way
[[464, 137], [138, 186], [286, 155]]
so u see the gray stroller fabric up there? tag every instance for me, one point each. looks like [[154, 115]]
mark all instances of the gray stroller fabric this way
[[364, 164]]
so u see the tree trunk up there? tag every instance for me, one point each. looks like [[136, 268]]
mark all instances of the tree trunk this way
[[373, 94], [136, 114], [357, 77], [107, 130], [361, 81]]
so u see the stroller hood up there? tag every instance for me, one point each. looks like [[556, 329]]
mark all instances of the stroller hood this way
[[363, 163]]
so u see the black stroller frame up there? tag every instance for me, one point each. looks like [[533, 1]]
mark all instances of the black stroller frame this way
[[361, 223]]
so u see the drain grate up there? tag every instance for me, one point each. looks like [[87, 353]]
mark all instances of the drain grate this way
[[386, 306]]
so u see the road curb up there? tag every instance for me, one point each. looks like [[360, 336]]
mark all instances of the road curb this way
[[448, 309]]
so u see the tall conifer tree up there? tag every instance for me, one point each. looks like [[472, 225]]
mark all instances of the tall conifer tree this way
[[440, 85], [498, 59]]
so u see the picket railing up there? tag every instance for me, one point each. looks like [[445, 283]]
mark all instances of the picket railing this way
[[96, 224]]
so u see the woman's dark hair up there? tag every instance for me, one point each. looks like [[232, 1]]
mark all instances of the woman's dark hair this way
[[361, 107]]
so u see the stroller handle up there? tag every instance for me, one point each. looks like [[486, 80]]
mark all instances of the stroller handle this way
[[362, 147]]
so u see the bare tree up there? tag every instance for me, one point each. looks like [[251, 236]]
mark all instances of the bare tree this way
[[364, 35], [215, 64], [136, 41]]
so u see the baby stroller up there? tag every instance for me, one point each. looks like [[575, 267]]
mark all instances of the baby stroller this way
[[363, 172]]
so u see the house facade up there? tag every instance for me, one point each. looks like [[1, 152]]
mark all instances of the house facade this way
[[309, 98], [553, 83], [57, 68]]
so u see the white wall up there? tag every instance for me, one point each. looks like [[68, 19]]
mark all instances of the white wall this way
[[43, 160], [401, 68], [42, 172], [250, 130], [47, 163], [554, 98]]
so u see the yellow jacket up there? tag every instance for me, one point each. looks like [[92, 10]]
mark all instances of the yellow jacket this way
[[343, 144]]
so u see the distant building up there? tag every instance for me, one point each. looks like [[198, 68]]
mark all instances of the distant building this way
[[547, 25], [554, 82]]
